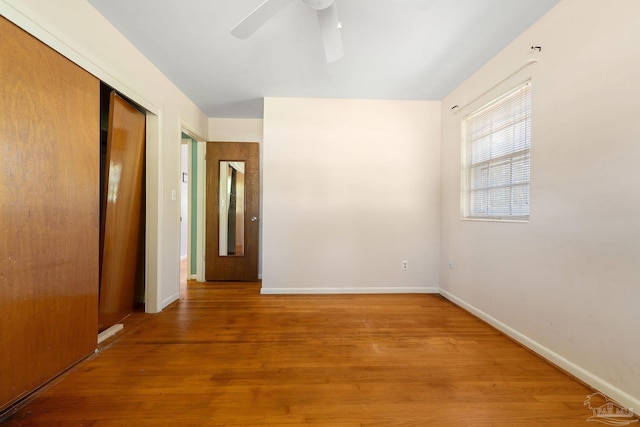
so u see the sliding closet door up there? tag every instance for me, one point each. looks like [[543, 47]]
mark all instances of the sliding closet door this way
[[122, 212], [49, 213]]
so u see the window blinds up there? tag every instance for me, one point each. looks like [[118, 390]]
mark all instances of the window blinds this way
[[497, 139]]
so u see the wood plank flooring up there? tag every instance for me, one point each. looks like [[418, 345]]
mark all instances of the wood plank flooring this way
[[226, 356]]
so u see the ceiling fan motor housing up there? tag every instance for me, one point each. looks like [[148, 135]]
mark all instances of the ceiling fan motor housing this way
[[318, 4]]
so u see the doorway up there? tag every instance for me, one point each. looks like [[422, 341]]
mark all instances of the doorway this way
[[185, 271], [192, 209]]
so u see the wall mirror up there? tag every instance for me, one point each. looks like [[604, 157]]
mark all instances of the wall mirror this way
[[232, 208]]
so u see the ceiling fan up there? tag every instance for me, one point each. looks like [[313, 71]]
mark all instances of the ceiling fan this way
[[328, 19]]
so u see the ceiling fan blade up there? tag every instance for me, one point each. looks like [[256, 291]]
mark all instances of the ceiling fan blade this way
[[330, 30], [258, 17]]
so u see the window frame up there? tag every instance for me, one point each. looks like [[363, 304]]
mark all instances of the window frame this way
[[520, 157]]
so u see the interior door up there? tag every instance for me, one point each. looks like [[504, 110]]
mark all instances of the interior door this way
[[122, 212], [232, 213]]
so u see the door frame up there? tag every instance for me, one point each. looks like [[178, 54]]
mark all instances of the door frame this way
[[199, 204]]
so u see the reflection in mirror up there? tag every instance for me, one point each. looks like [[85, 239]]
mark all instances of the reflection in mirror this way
[[231, 196]]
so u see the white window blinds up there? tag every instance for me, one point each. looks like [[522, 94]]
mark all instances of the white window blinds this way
[[497, 138]]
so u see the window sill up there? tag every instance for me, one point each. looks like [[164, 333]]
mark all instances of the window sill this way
[[518, 220]]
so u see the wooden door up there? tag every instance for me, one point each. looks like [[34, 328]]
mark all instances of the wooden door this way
[[122, 212], [233, 169], [49, 213]]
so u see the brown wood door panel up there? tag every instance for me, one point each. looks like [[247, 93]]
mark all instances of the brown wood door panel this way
[[122, 211], [244, 267], [49, 213]]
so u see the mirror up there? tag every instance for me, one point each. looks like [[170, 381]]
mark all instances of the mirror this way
[[232, 208]]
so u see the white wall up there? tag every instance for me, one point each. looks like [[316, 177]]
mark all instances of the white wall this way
[[351, 188], [78, 31], [235, 130], [567, 283]]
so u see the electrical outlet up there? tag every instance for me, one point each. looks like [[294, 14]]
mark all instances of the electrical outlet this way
[[405, 265], [451, 264]]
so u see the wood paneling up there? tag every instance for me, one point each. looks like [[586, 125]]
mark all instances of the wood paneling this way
[[227, 356], [121, 250], [49, 213], [233, 267]]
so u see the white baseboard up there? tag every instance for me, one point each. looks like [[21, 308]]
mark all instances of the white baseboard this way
[[169, 300], [109, 332], [367, 290], [582, 374]]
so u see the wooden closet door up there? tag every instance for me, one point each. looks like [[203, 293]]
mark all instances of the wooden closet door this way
[[49, 213], [122, 207]]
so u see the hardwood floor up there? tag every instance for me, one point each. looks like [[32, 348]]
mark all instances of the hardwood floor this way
[[226, 356]]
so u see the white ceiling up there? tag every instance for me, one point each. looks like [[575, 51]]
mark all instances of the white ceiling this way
[[393, 49]]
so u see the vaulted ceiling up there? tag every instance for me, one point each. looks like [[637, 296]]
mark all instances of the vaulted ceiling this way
[[394, 49]]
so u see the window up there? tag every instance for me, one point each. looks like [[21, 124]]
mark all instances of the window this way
[[496, 170]]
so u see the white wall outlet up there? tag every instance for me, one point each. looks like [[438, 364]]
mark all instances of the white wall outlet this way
[[405, 265], [451, 264]]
